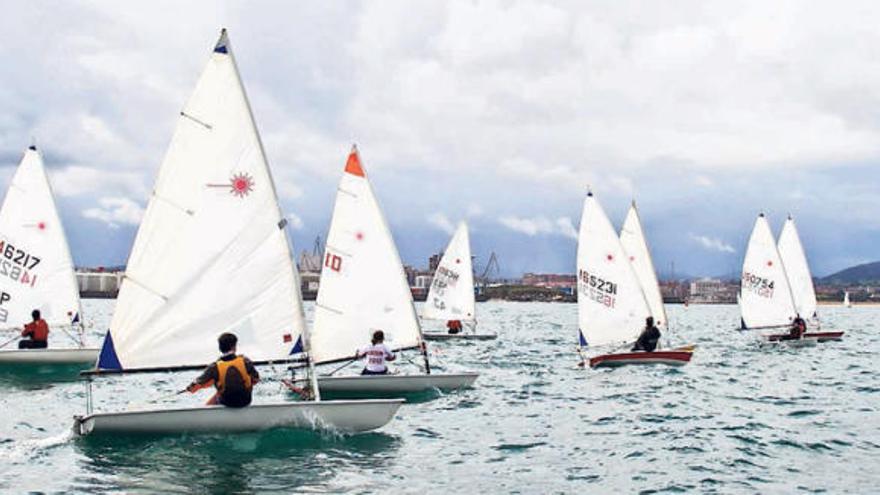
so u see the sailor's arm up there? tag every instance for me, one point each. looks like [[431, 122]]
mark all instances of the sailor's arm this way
[[205, 380], [252, 370]]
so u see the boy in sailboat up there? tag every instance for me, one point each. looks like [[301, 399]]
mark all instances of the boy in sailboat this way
[[649, 337], [377, 354], [233, 375], [35, 333], [453, 326]]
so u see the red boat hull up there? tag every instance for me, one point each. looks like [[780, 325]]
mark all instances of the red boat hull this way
[[670, 358], [824, 336], [818, 336]]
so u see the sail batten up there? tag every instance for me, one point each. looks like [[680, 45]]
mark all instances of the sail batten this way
[[363, 285], [36, 269], [766, 296], [451, 296], [226, 265], [611, 304]]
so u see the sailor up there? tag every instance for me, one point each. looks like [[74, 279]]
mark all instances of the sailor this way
[[376, 353], [798, 328], [649, 337], [35, 333], [233, 375], [454, 326]]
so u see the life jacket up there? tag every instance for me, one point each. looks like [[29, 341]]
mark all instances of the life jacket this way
[[233, 374], [38, 330]]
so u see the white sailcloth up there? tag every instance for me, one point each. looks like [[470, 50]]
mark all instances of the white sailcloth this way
[[766, 299], [798, 270], [846, 302], [632, 236], [211, 254], [611, 305], [36, 270], [363, 285], [451, 296]]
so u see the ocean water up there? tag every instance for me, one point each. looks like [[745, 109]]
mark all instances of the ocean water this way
[[740, 418]]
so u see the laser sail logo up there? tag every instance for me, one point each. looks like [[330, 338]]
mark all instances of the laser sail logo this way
[[240, 184]]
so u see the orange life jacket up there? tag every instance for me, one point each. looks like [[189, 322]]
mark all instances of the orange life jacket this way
[[223, 367], [38, 330]]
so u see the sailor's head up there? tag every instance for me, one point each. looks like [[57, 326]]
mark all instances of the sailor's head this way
[[378, 337], [35, 314], [649, 321], [227, 342]]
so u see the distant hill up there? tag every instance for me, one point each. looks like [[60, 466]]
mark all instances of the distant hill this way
[[867, 274]]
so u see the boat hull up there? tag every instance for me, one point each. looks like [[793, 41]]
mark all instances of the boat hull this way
[[824, 336], [784, 338], [669, 358], [395, 384], [347, 416], [459, 336], [49, 356]]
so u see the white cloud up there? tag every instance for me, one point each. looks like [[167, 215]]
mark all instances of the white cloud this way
[[115, 211], [566, 227], [295, 221], [712, 243], [76, 180], [540, 226], [442, 222]]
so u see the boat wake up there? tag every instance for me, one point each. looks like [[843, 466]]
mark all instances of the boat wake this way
[[29, 449]]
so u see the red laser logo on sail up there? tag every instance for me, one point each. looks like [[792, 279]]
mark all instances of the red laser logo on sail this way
[[240, 184]]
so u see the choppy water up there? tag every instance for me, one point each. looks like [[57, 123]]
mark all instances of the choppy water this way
[[740, 418]]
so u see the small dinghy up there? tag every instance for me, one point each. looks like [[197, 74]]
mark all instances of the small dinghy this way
[[211, 256], [451, 296], [363, 289], [36, 270], [794, 259], [767, 302], [618, 290], [846, 303]]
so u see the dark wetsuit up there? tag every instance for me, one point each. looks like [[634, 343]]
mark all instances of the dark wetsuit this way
[[233, 390], [797, 331], [647, 340]]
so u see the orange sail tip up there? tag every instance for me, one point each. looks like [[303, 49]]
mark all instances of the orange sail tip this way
[[353, 165]]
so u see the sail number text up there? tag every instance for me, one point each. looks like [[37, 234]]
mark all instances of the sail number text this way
[[759, 285], [4, 313], [333, 262], [597, 289], [16, 263]]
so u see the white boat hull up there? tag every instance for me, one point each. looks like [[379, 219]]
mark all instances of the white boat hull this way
[[403, 384], [49, 356], [459, 336], [346, 416]]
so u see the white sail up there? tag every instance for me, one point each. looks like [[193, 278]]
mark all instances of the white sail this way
[[363, 285], [765, 292], [795, 261], [611, 305], [632, 236], [36, 270], [211, 254], [846, 302], [451, 296]]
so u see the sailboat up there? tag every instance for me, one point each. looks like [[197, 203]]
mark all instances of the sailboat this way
[[36, 270], [211, 256], [797, 269], [767, 302], [364, 289], [846, 303], [612, 300], [451, 296]]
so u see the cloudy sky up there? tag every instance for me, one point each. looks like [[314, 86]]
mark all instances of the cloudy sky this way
[[499, 112]]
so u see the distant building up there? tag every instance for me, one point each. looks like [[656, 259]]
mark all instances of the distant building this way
[[712, 291], [565, 282], [422, 282], [98, 282], [434, 262]]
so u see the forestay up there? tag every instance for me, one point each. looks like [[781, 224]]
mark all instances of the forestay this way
[[766, 299], [451, 296], [632, 236], [798, 270], [36, 270], [363, 285], [211, 254], [611, 305]]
